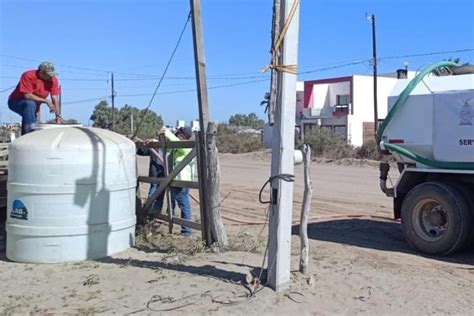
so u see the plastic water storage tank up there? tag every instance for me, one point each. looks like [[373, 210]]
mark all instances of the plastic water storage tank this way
[[71, 195]]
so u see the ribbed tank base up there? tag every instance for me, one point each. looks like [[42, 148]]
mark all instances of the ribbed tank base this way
[[98, 243]]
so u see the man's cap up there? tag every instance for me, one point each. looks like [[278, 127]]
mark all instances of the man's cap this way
[[47, 68], [186, 131]]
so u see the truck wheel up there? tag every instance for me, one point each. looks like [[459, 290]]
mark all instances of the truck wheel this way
[[435, 218], [468, 191]]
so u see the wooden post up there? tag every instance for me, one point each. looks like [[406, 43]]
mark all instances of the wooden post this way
[[200, 64], [283, 148], [215, 222], [205, 230], [200, 67], [308, 193]]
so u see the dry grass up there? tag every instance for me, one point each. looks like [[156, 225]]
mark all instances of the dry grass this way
[[154, 235]]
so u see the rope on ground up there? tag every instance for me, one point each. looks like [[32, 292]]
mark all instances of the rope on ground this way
[[215, 296], [292, 69]]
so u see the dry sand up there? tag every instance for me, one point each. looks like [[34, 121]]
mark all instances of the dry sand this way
[[357, 266]]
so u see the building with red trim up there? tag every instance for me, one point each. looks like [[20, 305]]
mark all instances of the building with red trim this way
[[344, 105]]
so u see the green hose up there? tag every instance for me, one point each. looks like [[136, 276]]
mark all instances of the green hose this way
[[398, 104]]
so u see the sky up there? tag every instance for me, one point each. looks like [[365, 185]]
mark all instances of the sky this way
[[87, 40]]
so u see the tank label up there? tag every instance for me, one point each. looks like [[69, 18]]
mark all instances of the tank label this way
[[19, 210]]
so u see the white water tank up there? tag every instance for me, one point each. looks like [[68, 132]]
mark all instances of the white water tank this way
[[71, 195]]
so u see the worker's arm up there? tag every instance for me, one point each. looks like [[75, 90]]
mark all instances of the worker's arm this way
[[31, 96], [55, 101], [173, 138]]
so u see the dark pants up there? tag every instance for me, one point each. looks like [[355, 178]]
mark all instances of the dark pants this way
[[156, 171], [27, 110]]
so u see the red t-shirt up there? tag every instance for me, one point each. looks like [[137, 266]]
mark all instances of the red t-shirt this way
[[30, 82]]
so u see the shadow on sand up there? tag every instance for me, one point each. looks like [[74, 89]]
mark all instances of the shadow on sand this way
[[373, 234]]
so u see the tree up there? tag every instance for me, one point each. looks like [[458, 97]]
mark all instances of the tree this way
[[250, 120], [66, 121], [102, 117]]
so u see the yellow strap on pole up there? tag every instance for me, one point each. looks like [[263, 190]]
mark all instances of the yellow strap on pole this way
[[292, 69]]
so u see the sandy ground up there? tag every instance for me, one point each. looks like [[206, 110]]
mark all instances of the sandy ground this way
[[357, 266]]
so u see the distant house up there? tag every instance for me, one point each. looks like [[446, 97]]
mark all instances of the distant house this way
[[344, 105]]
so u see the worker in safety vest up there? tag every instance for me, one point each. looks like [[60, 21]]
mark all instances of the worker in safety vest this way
[[176, 155], [32, 90]]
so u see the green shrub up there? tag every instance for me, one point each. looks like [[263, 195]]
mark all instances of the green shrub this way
[[327, 144], [230, 142], [368, 151]]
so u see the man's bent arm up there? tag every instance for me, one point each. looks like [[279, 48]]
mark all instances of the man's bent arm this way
[[55, 100], [31, 96]]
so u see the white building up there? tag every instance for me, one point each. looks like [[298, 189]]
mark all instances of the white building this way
[[344, 105]]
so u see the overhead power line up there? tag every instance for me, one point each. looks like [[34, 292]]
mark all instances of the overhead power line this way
[[235, 76], [430, 54], [168, 92], [7, 89], [163, 75]]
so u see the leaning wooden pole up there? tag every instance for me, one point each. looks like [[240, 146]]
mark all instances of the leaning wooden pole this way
[[308, 192], [201, 82], [215, 221]]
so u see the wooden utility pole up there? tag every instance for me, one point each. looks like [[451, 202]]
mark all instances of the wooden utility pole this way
[[200, 66], [113, 100], [279, 251]]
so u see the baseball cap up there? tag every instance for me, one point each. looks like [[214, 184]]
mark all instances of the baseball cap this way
[[47, 68], [186, 131]]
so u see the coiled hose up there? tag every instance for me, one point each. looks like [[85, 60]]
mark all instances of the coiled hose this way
[[398, 104]]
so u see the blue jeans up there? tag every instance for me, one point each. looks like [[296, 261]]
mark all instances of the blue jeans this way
[[181, 195], [27, 110]]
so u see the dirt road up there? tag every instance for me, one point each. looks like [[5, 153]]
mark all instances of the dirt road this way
[[357, 266]]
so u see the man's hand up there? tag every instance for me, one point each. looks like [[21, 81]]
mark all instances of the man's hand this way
[[59, 120], [150, 141]]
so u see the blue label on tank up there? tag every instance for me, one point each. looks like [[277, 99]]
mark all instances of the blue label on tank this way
[[19, 210]]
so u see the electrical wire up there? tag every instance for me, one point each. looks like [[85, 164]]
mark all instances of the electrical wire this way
[[235, 76], [6, 89], [163, 75]]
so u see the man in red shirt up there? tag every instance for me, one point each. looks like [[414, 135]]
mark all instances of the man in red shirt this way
[[32, 90]]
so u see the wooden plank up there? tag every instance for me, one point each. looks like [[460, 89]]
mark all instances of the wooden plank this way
[[180, 221], [174, 183], [177, 144]]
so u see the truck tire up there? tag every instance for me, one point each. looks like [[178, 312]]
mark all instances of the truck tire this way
[[436, 219], [468, 191]]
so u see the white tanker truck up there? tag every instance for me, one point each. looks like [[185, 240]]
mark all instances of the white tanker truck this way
[[429, 130]]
